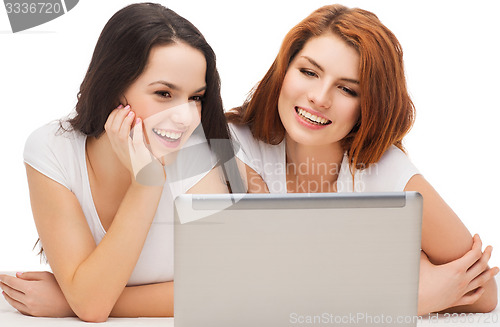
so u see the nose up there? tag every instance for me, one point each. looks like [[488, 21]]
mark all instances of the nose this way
[[184, 115], [321, 96]]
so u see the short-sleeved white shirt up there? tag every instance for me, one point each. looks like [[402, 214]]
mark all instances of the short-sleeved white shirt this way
[[390, 174], [60, 155]]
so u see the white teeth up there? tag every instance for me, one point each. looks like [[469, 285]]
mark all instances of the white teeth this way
[[314, 118], [170, 135]]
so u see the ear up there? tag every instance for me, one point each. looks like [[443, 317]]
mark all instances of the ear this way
[[123, 100]]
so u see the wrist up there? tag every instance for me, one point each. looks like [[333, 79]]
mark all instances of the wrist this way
[[138, 185], [151, 174]]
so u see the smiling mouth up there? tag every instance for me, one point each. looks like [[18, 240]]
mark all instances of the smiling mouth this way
[[167, 135], [313, 119]]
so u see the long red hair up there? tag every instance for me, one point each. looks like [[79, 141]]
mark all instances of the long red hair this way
[[387, 112]]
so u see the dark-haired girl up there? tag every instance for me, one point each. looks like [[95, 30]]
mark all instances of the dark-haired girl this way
[[108, 236]]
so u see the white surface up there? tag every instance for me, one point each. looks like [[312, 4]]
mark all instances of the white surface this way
[[451, 61], [11, 317]]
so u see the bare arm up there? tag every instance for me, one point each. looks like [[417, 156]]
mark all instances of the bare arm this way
[[212, 183], [253, 181], [91, 277], [38, 294], [445, 239], [153, 300]]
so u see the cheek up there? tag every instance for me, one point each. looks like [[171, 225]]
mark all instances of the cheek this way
[[349, 109], [145, 108], [195, 119], [289, 91], [199, 108], [144, 105], [293, 86]]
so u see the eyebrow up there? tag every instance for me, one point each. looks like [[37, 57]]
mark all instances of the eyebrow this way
[[315, 64], [175, 87]]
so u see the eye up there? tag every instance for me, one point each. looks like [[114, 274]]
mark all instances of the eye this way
[[163, 94], [308, 72], [348, 91], [197, 98]]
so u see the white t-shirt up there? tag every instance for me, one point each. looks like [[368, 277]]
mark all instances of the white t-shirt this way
[[60, 155], [390, 174]]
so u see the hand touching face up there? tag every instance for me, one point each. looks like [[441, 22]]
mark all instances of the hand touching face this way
[[174, 76]]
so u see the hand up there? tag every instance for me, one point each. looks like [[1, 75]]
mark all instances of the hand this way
[[147, 169], [455, 283], [132, 150], [35, 294]]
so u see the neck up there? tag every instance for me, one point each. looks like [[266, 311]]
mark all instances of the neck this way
[[312, 168], [104, 164]]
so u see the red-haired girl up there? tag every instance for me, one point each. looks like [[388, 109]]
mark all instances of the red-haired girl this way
[[330, 116]]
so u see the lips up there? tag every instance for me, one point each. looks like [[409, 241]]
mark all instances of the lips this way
[[164, 138], [170, 136], [312, 118]]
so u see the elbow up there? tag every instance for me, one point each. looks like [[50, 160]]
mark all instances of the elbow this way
[[489, 300], [92, 312], [90, 307], [93, 317], [492, 301], [490, 304], [493, 305]]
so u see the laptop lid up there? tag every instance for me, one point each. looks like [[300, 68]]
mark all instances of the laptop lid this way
[[325, 259]]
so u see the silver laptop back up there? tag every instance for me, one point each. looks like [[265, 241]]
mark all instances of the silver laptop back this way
[[297, 259]]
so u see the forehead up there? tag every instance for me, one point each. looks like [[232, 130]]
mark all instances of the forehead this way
[[177, 63], [333, 54]]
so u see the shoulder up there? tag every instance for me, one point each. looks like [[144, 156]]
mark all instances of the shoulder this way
[[52, 135], [254, 152], [55, 151], [394, 158], [241, 135], [390, 174]]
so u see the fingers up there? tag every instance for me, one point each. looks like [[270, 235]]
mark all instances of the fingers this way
[[480, 265], [470, 297], [15, 304], [32, 275], [468, 259], [138, 138], [14, 282], [111, 117], [483, 278], [13, 293], [119, 122], [126, 125]]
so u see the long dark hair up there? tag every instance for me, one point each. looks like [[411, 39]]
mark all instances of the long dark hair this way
[[120, 56]]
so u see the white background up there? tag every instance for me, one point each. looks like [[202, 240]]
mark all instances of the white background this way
[[452, 65]]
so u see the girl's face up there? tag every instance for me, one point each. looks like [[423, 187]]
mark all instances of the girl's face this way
[[167, 96], [319, 102]]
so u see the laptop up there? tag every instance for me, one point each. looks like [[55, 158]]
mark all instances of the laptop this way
[[323, 259]]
